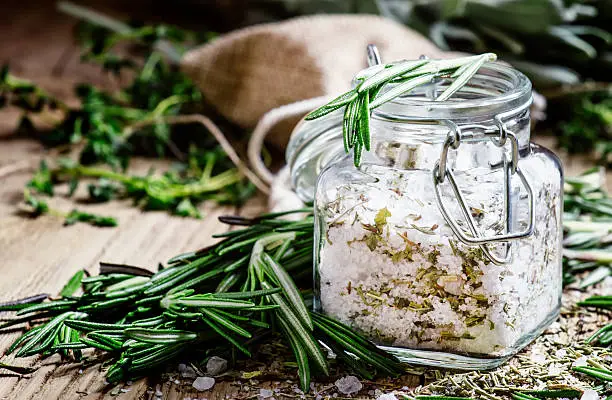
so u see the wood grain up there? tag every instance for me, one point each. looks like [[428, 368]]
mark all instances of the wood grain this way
[[40, 255]]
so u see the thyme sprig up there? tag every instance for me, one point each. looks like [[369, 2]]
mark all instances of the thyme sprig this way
[[35, 206], [157, 113], [388, 82], [227, 296]]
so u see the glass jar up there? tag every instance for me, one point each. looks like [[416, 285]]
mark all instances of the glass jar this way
[[444, 245]]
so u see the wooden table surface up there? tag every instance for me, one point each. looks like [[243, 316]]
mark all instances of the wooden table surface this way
[[38, 256]]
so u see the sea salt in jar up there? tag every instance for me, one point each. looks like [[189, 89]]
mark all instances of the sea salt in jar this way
[[444, 245]]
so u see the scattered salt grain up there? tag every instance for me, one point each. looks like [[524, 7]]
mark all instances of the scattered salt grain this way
[[555, 369], [561, 353], [580, 362], [589, 394], [203, 383], [538, 358], [348, 385], [265, 394], [387, 396], [216, 365], [187, 371]]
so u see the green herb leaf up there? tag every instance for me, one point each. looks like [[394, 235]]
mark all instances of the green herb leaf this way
[[73, 284]]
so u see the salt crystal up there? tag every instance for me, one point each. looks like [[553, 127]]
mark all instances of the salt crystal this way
[[554, 369], [265, 394], [580, 362], [216, 365], [561, 353], [387, 396], [348, 385], [589, 394], [187, 371], [203, 383], [538, 358]]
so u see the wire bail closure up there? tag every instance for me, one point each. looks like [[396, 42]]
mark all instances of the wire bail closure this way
[[499, 135]]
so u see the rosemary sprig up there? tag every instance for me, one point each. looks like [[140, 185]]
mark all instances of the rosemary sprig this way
[[398, 79], [232, 292]]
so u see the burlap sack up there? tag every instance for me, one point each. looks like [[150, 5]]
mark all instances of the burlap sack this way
[[248, 72]]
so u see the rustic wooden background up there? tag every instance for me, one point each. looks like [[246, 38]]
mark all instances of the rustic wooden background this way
[[40, 255]]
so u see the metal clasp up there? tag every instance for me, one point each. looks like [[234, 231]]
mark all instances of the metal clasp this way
[[498, 135]]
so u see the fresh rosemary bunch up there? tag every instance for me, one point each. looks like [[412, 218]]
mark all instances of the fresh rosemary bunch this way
[[388, 82], [234, 292], [587, 222]]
